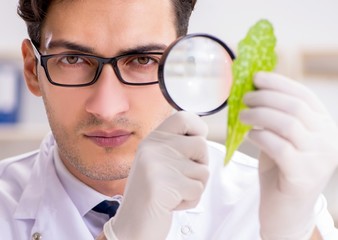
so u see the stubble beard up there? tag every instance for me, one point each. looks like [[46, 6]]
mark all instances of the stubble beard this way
[[105, 168], [108, 168]]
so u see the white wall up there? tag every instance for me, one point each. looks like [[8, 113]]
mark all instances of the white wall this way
[[298, 23], [12, 28]]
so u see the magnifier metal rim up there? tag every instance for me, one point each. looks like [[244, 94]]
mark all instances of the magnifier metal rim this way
[[163, 62]]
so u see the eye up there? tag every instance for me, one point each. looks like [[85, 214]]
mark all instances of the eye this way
[[139, 62], [144, 60], [71, 60]]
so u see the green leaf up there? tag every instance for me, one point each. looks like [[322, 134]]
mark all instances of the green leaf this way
[[256, 52]]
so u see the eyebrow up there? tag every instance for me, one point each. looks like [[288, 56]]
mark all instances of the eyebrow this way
[[89, 50], [70, 45]]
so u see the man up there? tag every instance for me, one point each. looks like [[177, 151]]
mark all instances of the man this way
[[111, 123]]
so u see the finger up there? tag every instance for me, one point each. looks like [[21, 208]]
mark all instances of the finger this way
[[187, 204], [191, 191], [192, 147], [279, 150], [281, 124], [184, 123], [296, 171], [189, 169], [286, 103], [177, 190], [279, 83], [196, 171]]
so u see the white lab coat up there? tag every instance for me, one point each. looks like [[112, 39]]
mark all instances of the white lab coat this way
[[33, 202]]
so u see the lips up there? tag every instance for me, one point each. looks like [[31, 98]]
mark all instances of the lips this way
[[108, 139]]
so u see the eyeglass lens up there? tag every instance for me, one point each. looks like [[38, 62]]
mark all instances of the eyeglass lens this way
[[82, 69]]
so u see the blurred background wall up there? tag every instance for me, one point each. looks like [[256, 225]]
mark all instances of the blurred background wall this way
[[307, 36]]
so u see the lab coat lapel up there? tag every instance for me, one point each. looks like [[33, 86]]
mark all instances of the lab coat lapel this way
[[48, 205]]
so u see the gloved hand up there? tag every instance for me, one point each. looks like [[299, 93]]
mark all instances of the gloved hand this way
[[169, 173], [299, 144]]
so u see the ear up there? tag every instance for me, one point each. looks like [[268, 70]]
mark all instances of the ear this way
[[30, 67]]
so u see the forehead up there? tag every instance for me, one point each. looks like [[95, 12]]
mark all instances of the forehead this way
[[113, 23]]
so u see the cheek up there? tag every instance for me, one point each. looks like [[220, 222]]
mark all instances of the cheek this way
[[151, 99], [152, 105], [62, 105]]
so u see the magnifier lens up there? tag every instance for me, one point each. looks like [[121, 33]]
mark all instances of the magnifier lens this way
[[196, 74]]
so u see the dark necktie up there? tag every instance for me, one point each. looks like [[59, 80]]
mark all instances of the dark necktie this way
[[107, 207]]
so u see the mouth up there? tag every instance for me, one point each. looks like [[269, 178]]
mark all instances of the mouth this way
[[108, 139]]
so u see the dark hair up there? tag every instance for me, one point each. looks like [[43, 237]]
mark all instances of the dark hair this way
[[33, 12]]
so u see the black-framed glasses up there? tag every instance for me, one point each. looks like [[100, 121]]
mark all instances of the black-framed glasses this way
[[79, 70]]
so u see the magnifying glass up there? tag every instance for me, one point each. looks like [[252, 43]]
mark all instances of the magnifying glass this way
[[195, 74]]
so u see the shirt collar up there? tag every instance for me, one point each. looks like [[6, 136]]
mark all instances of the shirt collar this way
[[83, 196]]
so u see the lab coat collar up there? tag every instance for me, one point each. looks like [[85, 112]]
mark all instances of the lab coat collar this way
[[46, 201], [35, 190], [75, 188]]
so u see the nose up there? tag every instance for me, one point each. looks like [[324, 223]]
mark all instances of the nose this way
[[109, 97]]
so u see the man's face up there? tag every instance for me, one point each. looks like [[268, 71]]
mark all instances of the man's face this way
[[99, 127]]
